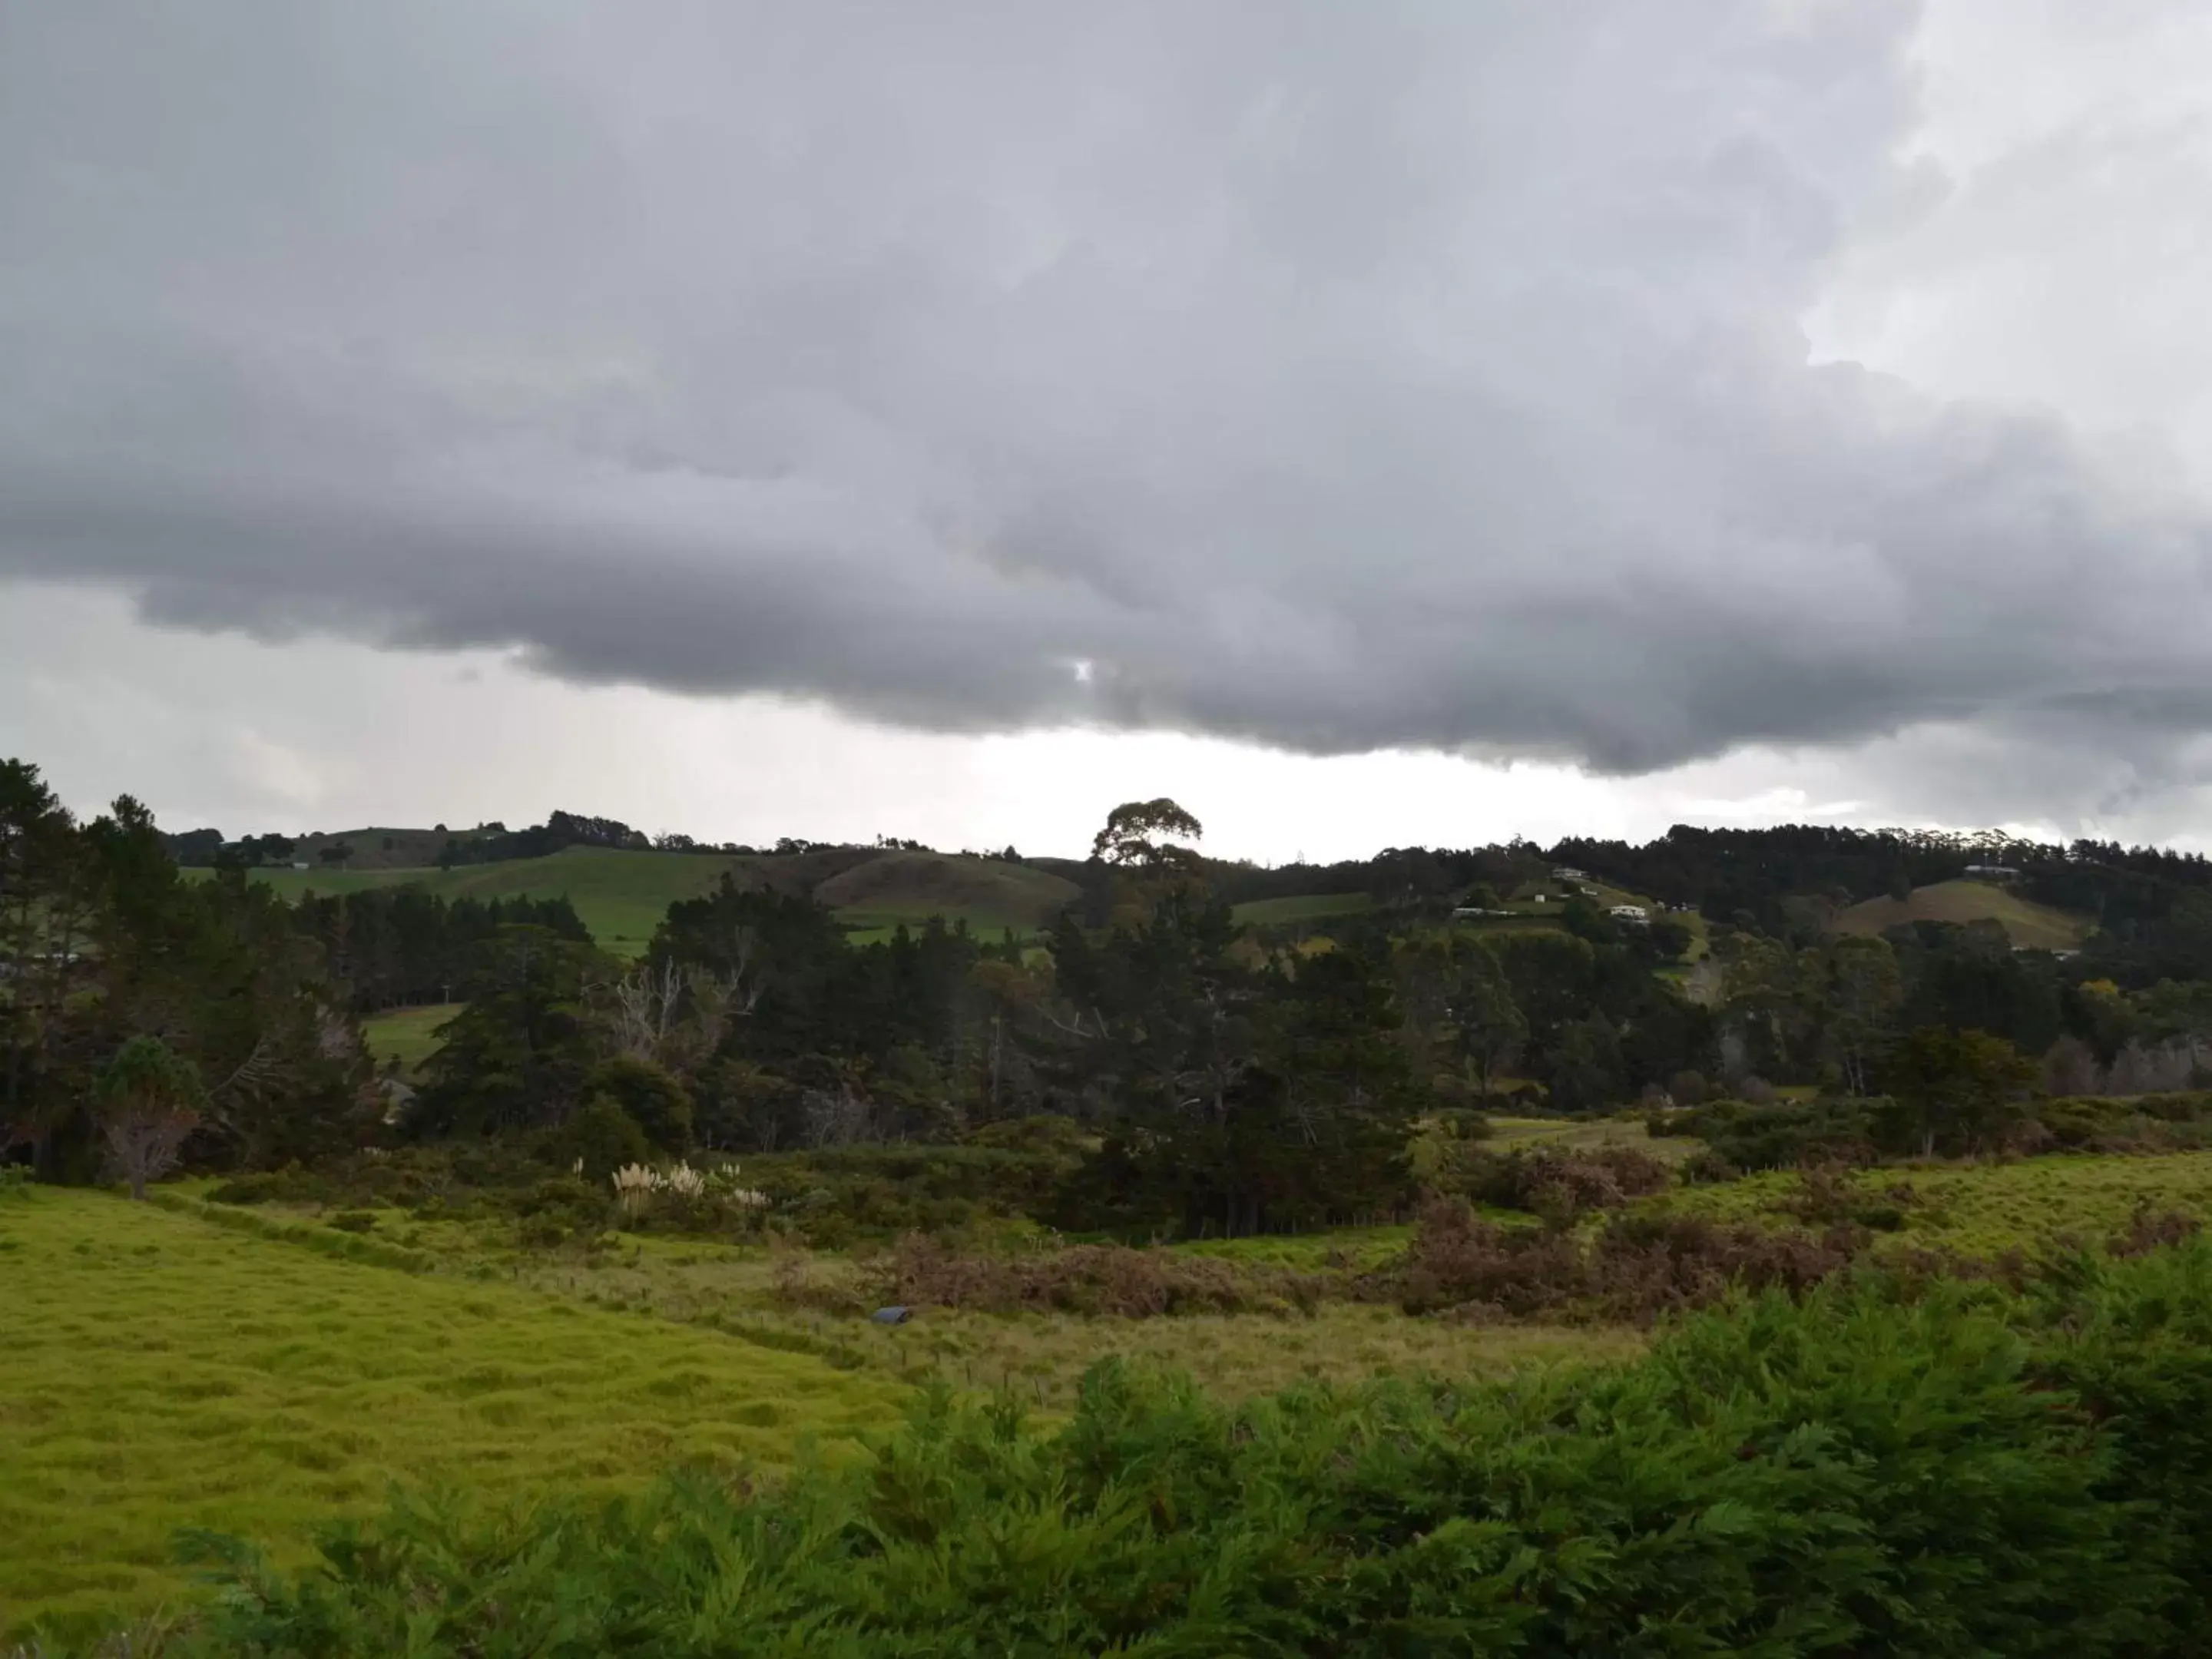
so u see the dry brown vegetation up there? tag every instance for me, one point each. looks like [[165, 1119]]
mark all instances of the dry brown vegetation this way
[[1096, 1278], [1633, 1270]]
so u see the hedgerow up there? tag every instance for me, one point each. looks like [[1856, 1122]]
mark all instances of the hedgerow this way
[[1961, 1469]]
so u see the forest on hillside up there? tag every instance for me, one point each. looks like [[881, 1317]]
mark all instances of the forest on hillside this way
[[1236, 1078]]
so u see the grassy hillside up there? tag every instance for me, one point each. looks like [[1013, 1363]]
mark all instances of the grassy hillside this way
[[407, 1035], [2029, 924], [161, 1372], [621, 895], [991, 895], [1302, 907]]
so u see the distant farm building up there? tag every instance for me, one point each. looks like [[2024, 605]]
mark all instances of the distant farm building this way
[[1635, 913], [1568, 873], [1990, 873]]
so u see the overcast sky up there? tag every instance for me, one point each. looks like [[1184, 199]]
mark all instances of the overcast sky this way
[[1369, 424]]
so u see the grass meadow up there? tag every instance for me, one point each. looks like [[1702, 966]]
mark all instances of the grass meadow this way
[[1983, 1208], [180, 1364], [1302, 907], [157, 1373], [2029, 924], [407, 1035], [621, 895]]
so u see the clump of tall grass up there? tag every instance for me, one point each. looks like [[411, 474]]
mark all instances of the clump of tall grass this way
[[637, 1185]]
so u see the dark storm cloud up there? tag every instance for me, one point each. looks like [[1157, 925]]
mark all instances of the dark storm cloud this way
[[1333, 376]]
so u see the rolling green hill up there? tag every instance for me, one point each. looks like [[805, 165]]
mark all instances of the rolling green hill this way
[[1302, 906], [990, 895], [2030, 925], [621, 895]]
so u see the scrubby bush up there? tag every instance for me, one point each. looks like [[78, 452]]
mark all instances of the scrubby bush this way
[[560, 1210], [2145, 1123], [1560, 1182], [654, 1100], [1635, 1269], [1091, 1279], [837, 1196], [603, 1138], [1828, 1196], [1785, 1136]]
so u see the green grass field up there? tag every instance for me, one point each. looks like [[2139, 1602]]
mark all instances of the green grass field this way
[[2036, 926], [621, 897], [406, 1035], [159, 1372], [1985, 1208], [1509, 1132], [1302, 906]]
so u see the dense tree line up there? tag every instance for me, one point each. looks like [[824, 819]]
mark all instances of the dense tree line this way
[[393, 945], [1228, 1078], [1775, 879], [101, 941]]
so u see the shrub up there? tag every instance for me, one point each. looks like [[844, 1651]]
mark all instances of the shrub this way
[[1562, 1183], [603, 1138], [560, 1211], [654, 1100], [2147, 1231], [1827, 1196], [837, 1196], [1638, 1269], [1785, 1136], [1091, 1279]]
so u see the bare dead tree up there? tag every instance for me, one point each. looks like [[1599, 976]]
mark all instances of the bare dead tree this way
[[716, 1001], [144, 1144], [260, 1068], [836, 1117], [645, 1001]]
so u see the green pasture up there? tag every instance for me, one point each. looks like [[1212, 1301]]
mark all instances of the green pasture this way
[[1985, 1208], [620, 895], [157, 1373], [407, 1035], [2028, 923], [1302, 906]]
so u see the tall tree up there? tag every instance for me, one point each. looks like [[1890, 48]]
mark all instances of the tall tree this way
[[1865, 993], [1957, 1090]]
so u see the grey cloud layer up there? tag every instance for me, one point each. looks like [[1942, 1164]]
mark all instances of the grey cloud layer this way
[[1332, 376]]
